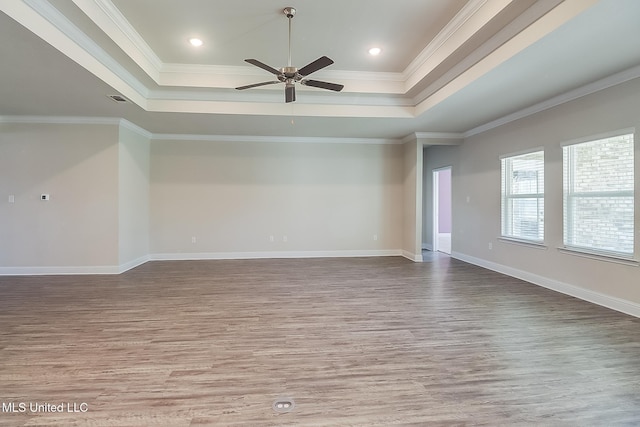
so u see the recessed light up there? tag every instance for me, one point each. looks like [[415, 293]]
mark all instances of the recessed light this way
[[375, 51], [196, 42]]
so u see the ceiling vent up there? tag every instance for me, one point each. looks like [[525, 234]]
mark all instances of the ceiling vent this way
[[118, 98]]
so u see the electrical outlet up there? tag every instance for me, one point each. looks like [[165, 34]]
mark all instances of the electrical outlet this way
[[375, 237], [44, 197], [285, 239], [272, 239], [490, 245], [12, 198], [193, 239]]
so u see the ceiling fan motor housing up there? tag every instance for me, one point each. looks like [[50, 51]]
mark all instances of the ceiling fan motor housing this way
[[291, 72]]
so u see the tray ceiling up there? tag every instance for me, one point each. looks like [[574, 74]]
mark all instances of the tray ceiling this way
[[447, 66]]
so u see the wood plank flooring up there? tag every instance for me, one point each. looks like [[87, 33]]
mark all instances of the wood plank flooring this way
[[354, 342]]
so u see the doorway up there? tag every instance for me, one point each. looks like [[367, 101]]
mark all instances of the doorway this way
[[442, 210]]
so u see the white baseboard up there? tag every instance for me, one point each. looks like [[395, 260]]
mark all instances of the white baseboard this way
[[133, 264], [50, 271], [265, 255], [37, 271], [411, 256], [598, 298], [72, 270]]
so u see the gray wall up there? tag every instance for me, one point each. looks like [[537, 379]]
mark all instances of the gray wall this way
[[77, 166], [96, 220], [476, 197], [233, 196]]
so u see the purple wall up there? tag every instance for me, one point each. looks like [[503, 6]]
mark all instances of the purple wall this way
[[444, 201]]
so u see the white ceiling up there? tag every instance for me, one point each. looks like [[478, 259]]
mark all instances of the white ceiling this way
[[448, 67]]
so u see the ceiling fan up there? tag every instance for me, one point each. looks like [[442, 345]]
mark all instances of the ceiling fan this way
[[291, 75]]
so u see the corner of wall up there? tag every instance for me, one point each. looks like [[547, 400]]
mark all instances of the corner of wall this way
[[133, 196]]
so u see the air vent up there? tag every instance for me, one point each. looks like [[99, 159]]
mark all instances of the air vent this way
[[118, 98]]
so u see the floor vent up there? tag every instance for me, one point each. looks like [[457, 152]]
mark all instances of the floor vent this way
[[283, 404]]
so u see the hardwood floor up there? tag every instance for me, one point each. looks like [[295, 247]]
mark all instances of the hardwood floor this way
[[354, 342]]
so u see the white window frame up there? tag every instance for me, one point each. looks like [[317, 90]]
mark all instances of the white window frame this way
[[506, 173], [567, 195]]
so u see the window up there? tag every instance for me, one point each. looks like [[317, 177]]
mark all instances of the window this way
[[523, 197], [598, 196]]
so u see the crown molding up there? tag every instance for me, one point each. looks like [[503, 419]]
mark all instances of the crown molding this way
[[272, 139], [549, 22], [522, 21], [198, 75], [110, 20], [44, 20], [115, 121], [279, 109], [613, 80], [440, 39], [229, 77], [109, 69], [255, 72], [273, 94], [472, 18], [435, 138], [61, 120], [610, 81], [107, 16], [438, 135], [167, 69], [76, 120]]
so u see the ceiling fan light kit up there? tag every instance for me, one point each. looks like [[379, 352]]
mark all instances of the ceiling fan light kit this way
[[290, 75]]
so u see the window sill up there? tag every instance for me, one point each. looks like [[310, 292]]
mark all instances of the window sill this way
[[599, 256], [528, 243]]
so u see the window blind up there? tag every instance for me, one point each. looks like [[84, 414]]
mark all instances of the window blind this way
[[522, 213], [598, 196]]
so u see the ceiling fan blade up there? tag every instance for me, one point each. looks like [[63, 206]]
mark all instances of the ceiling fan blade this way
[[257, 84], [323, 85], [316, 65], [289, 93], [263, 66]]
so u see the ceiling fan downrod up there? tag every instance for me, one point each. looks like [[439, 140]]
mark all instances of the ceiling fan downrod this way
[[289, 12], [289, 71]]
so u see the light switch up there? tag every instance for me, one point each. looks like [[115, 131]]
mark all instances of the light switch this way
[[12, 198]]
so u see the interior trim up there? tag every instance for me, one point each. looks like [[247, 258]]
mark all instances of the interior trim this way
[[588, 295], [588, 89], [274, 254]]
